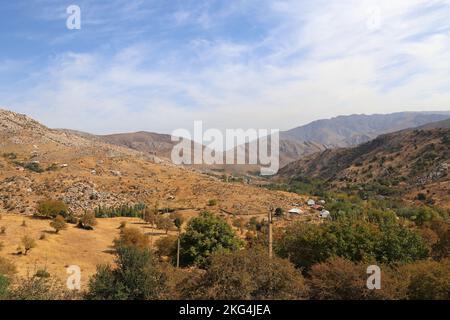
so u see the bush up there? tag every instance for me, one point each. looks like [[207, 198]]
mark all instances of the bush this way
[[166, 246], [28, 243], [205, 235], [137, 277], [4, 284], [429, 280], [58, 224], [248, 274], [87, 221], [212, 202], [42, 273], [7, 268], [131, 237], [33, 166], [3, 230], [52, 209], [39, 288], [421, 197], [340, 279]]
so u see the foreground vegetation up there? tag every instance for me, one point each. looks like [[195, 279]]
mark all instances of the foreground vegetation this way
[[218, 260]]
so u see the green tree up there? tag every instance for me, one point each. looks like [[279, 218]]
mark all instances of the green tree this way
[[205, 235], [52, 208], [136, 277], [306, 244], [400, 244]]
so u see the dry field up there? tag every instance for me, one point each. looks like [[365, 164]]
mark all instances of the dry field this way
[[72, 246]]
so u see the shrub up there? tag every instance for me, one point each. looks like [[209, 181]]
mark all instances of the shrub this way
[[58, 224], [421, 196], [340, 279], [3, 230], [166, 246], [39, 288], [4, 284], [131, 237], [178, 221], [248, 274], [427, 280], [42, 273], [33, 166], [28, 243], [52, 209], [7, 268], [87, 221], [212, 202], [205, 235], [279, 211]]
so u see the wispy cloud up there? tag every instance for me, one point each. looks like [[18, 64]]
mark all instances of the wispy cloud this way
[[272, 64]]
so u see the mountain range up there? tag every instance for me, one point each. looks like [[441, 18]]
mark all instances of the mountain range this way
[[341, 131]]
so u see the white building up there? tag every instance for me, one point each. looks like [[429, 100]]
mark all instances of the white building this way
[[295, 211], [325, 214], [311, 202]]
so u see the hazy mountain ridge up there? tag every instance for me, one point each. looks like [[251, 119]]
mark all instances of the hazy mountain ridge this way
[[344, 131]]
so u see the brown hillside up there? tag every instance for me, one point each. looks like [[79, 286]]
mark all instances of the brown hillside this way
[[414, 160]]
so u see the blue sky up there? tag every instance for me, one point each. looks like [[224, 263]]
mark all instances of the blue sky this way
[[158, 65]]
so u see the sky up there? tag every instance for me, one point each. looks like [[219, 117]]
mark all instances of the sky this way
[[159, 65]]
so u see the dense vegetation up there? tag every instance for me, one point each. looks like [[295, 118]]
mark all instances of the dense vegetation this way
[[120, 211]]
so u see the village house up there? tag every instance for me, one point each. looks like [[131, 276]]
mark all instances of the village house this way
[[295, 211], [325, 214]]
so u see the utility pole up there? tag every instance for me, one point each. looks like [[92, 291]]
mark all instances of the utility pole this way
[[270, 233], [178, 250]]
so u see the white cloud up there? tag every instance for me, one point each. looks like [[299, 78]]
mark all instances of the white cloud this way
[[318, 60]]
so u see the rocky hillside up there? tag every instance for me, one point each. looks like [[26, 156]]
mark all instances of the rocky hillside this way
[[411, 161], [37, 163], [147, 142]]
